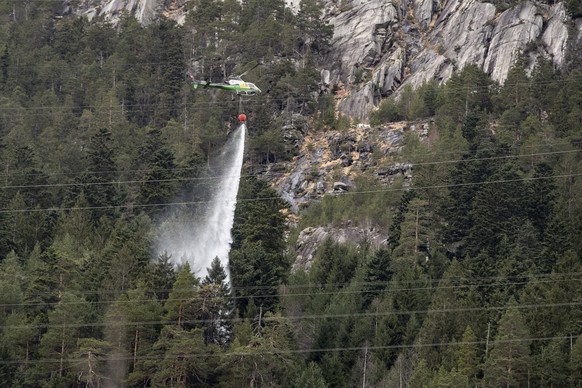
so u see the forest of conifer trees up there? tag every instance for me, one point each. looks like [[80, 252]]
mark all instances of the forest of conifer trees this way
[[479, 283]]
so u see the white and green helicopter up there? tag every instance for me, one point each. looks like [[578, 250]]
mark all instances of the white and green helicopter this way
[[235, 84]]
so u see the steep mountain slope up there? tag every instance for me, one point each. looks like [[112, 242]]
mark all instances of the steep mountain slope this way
[[379, 47]]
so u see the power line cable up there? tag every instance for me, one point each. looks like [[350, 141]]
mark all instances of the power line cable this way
[[186, 203], [253, 103], [220, 177], [475, 281], [5, 174], [295, 318], [232, 297], [261, 351]]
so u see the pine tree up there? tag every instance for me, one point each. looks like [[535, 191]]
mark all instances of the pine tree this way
[[78, 225], [543, 85], [439, 327], [19, 340], [421, 375], [266, 361], [12, 278], [398, 218], [575, 363], [256, 261], [59, 342], [159, 185], [498, 210], [444, 379], [415, 237], [179, 302], [89, 366], [543, 197], [310, 377], [163, 276], [314, 34], [378, 274], [553, 364], [131, 329], [183, 359], [126, 255], [50, 274], [166, 57], [100, 175], [467, 356], [508, 361]]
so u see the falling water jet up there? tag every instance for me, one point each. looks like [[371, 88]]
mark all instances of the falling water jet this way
[[209, 234]]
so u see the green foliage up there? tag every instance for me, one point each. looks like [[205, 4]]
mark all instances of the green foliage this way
[[180, 364], [387, 112], [310, 377], [414, 232], [256, 260], [214, 307], [60, 340], [467, 357], [97, 122], [178, 304], [508, 361], [574, 365], [159, 180], [574, 7]]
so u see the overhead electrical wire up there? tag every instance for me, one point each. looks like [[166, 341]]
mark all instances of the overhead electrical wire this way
[[364, 288], [119, 106], [294, 318], [185, 64], [385, 190], [14, 173], [475, 281], [219, 177], [265, 351]]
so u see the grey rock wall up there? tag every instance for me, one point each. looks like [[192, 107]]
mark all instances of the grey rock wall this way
[[379, 46], [145, 11], [413, 41]]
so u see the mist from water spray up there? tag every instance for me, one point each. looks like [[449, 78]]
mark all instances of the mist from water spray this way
[[208, 235]]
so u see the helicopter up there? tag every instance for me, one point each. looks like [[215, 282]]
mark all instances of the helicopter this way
[[235, 84]]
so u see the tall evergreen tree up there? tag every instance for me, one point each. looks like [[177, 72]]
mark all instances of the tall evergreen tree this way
[[184, 360], [575, 363], [131, 328], [159, 181], [508, 361], [415, 236], [100, 175], [256, 261], [214, 306], [60, 340], [179, 302], [467, 357]]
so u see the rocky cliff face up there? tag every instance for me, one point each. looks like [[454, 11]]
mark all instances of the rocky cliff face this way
[[381, 45], [333, 163], [412, 41], [145, 11], [329, 162]]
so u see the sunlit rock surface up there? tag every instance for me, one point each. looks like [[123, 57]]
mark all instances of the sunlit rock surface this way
[[379, 46], [411, 42]]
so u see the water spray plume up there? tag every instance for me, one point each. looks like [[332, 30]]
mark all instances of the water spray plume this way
[[208, 235]]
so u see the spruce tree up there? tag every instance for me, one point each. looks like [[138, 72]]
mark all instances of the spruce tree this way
[[467, 357], [508, 360], [575, 363], [179, 302]]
